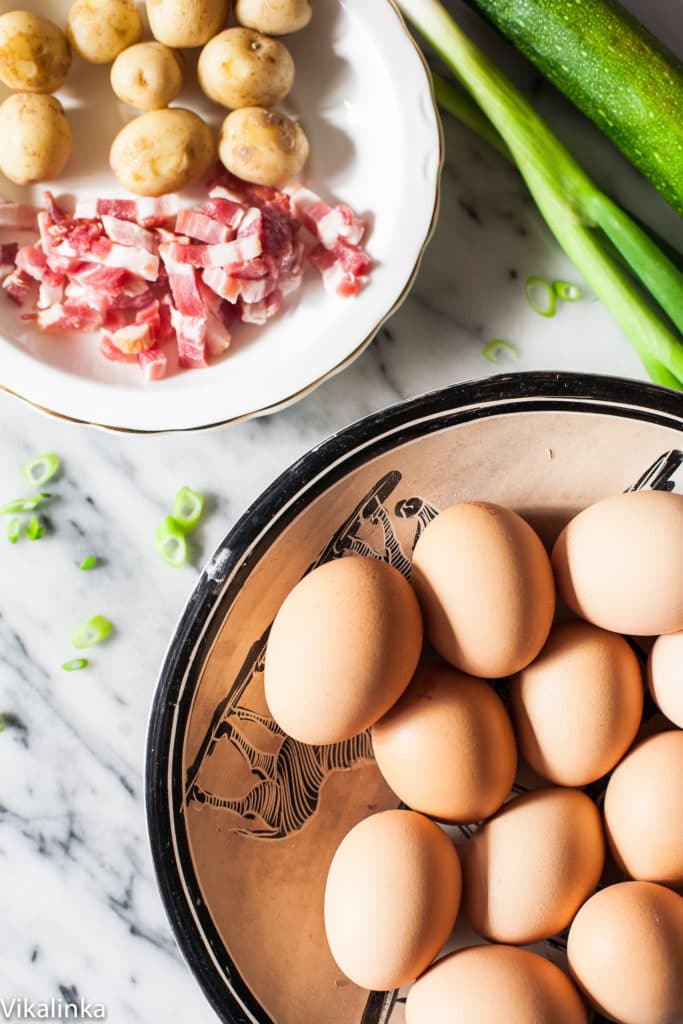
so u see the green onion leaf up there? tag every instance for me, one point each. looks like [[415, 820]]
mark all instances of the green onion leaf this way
[[12, 508], [171, 543], [187, 508], [34, 531], [41, 469], [567, 291], [495, 350], [88, 563], [13, 530], [540, 296], [3, 723], [75, 665], [92, 632]]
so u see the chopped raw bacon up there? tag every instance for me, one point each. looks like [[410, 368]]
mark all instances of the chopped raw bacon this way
[[204, 228], [149, 274], [153, 363]]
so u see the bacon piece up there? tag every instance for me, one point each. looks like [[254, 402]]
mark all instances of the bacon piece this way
[[222, 283], [17, 285], [251, 224], [238, 251], [355, 261], [8, 259], [32, 260], [125, 232], [224, 210], [81, 297], [255, 291], [147, 211], [203, 228], [191, 333], [327, 224], [110, 351], [335, 279], [50, 294], [254, 312], [137, 261], [69, 316], [153, 363], [133, 338], [182, 279]]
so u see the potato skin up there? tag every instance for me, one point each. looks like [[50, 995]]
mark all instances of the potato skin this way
[[262, 146], [242, 68], [34, 53], [147, 76], [36, 136], [99, 30], [162, 151], [274, 17], [186, 22]]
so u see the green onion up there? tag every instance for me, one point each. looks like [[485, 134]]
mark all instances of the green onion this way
[[2, 723], [75, 665], [540, 296], [187, 508], [22, 505], [566, 291], [34, 531], [496, 348], [171, 543], [88, 563], [41, 469], [13, 530], [583, 219], [92, 632]]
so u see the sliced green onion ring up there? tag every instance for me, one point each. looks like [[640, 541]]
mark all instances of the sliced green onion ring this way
[[171, 543], [187, 508], [75, 664], [12, 508], [92, 632], [567, 291], [541, 296], [13, 530], [495, 350], [41, 469], [34, 530], [88, 563]]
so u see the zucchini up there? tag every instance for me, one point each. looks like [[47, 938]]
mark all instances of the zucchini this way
[[613, 69]]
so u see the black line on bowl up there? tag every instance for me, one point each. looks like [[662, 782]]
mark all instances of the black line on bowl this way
[[243, 547]]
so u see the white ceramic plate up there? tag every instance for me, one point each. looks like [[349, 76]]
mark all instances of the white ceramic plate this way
[[364, 97]]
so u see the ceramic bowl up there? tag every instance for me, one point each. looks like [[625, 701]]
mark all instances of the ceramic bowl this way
[[364, 97], [243, 820]]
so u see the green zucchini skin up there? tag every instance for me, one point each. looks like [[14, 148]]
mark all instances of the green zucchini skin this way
[[613, 69]]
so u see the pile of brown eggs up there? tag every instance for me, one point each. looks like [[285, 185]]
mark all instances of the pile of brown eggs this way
[[346, 653]]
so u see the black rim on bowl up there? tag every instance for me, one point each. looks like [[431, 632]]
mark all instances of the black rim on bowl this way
[[232, 563]]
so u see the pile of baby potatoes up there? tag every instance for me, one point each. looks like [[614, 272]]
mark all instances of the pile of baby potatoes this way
[[346, 652], [165, 149]]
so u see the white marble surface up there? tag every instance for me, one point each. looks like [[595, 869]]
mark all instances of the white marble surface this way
[[78, 904]]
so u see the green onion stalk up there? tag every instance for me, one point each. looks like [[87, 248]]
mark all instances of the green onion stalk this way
[[571, 204]]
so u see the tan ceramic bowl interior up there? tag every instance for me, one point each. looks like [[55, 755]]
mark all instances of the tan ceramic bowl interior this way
[[243, 820]]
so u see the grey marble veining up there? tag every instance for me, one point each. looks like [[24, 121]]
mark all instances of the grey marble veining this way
[[78, 904]]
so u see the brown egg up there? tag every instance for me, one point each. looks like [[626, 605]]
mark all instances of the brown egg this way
[[342, 649], [665, 676], [434, 747], [626, 952], [619, 563], [528, 870], [485, 585], [644, 810], [576, 709], [392, 897], [494, 985]]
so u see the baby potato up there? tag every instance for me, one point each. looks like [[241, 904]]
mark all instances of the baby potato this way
[[34, 53], [262, 146], [148, 76], [242, 68], [36, 138], [99, 30], [186, 22], [162, 151], [274, 17]]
